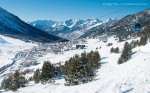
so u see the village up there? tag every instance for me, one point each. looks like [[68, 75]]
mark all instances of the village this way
[[29, 57], [35, 56]]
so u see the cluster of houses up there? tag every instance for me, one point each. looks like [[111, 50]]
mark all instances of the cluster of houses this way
[[29, 57]]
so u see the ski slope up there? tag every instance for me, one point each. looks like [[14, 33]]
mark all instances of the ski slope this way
[[130, 77]]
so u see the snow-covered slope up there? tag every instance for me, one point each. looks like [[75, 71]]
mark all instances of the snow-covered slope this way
[[130, 77], [9, 47]]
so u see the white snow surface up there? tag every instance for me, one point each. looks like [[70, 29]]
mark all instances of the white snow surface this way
[[130, 77], [9, 47]]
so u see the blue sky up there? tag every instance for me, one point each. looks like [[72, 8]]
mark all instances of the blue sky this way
[[60, 10]]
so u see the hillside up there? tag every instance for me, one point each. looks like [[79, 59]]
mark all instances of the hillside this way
[[132, 76], [12, 26], [122, 27]]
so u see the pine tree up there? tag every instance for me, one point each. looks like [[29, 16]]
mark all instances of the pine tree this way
[[13, 87], [13, 83], [143, 41], [48, 73], [81, 69], [36, 76], [5, 84], [84, 69], [97, 58], [120, 38], [20, 81], [17, 77], [112, 50], [126, 54], [132, 44], [116, 50], [137, 42]]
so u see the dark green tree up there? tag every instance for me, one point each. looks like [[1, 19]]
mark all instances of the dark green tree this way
[[143, 41], [48, 73], [116, 50], [126, 54], [81, 69], [14, 82], [112, 50], [17, 77], [36, 76]]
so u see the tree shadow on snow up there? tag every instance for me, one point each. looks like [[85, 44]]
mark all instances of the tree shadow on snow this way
[[103, 58], [104, 62]]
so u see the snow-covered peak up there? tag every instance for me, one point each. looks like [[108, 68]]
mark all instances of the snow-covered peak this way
[[68, 27], [72, 22], [42, 23], [147, 11], [110, 19]]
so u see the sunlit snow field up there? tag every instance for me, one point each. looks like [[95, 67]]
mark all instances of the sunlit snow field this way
[[130, 77]]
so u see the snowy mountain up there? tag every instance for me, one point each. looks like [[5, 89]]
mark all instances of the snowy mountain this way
[[41, 24], [124, 26], [11, 25], [65, 28], [94, 31]]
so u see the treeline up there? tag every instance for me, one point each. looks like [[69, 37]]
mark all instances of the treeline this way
[[81, 68], [48, 73], [14, 82], [114, 50], [77, 70], [127, 50]]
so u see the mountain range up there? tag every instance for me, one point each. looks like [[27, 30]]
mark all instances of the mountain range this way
[[48, 30], [72, 28], [124, 26]]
